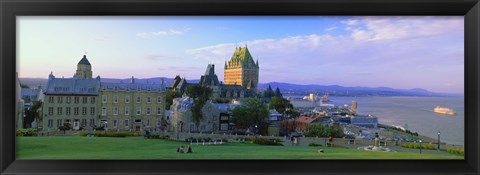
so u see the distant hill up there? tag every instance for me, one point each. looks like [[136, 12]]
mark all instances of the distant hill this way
[[288, 88]]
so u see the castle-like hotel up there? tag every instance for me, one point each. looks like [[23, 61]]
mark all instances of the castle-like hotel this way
[[86, 102]]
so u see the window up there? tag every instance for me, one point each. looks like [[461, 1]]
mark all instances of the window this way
[[127, 99], [224, 126], [114, 123], [85, 100], [59, 111], [127, 88], [127, 110], [59, 99], [50, 110], [83, 123], [148, 110], [92, 110], [76, 99], [139, 99], [115, 110], [59, 122], [50, 123], [84, 111], [148, 122], [159, 110], [149, 99], [75, 110], [92, 100], [159, 99], [159, 121], [126, 123], [50, 99], [104, 111], [92, 122], [115, 99], [68, 110], [139, 110], [69, 99], [116, 88], [104, 98]]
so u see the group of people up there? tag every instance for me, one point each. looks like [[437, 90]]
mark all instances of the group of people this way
[[180, 149]]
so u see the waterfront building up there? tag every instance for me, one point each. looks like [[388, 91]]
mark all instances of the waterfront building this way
[[354, 107], [131, 106], [242, 70]]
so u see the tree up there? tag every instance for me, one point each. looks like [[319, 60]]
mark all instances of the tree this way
[[200, 95], [65, 127], [252, 112], [269, 92], [320, 130], [24, 85], [288, 126], [280, 104], [278, 93], [170, 95], [33, 113]]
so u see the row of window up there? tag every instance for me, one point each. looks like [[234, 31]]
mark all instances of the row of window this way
[[68, 99], [68, 110], [128, 88], [127, 99], [126, 123], [61, 122], [115, 110]]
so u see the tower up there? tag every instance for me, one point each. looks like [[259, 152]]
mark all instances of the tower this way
[[354, 106], [84, 69], [242, 70]]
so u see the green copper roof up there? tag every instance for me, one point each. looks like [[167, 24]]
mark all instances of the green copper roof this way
[[242, 56]]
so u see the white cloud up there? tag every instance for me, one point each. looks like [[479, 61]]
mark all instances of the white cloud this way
[[378, 51], [162, 33]]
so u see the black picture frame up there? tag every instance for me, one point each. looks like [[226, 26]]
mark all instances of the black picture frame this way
[[9, 9]]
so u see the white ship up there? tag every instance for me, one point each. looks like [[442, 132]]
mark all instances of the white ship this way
[[443, 110]]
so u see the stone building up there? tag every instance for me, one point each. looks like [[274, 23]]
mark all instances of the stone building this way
[[131, 106], [242, 70], [215, 116], [71, 100]]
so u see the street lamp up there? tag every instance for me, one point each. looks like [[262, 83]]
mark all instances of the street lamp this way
[[438, 143], [420, 146]]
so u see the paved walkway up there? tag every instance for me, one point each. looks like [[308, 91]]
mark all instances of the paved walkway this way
[[402, 149]]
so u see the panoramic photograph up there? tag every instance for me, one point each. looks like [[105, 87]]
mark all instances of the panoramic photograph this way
[[239, 87]]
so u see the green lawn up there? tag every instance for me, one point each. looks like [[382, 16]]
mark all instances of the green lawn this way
[[76, 147]]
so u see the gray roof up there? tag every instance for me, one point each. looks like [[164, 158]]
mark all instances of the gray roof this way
[[72, 86], [84, 60], [30, 92], [132, 86]]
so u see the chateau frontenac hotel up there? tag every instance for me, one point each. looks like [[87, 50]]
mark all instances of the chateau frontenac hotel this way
[[86, 102]]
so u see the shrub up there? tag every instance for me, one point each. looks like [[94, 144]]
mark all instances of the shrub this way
[[117, 134], [417, 146], [314, 144], [264, 141], [83, 134], [26, 132], [456, 151]]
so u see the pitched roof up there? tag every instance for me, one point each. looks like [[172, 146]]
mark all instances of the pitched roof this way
[[306, 119], [210, 78], [72, 86], [84, 61], [242, 56]]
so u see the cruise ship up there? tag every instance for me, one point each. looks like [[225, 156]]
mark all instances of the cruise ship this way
[[442, 110]]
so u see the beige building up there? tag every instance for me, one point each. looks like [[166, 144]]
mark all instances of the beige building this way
[[71, 100], [131, 106]]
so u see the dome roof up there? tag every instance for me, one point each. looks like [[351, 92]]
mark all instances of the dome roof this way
[[84, 61]]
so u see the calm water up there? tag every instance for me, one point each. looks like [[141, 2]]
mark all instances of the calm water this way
[[416, 113]]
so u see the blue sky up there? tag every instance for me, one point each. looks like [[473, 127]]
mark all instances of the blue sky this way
[[398, 52]]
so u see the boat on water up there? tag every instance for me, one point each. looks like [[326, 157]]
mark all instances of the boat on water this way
[[325, 97], [444, 110]]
